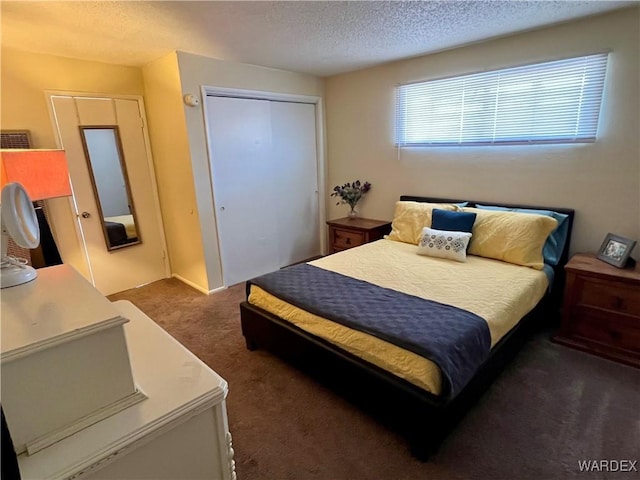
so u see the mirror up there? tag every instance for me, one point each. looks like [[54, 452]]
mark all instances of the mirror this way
[[108, 173]]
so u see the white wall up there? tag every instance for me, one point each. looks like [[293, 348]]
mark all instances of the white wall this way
[[600, 180]]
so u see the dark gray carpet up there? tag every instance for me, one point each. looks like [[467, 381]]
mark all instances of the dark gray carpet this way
[[551, 408]]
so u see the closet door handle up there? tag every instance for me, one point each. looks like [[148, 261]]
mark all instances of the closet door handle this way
[[85, 214]]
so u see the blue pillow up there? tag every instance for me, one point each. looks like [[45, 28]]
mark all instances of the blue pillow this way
[[554, 245], [452, 221]]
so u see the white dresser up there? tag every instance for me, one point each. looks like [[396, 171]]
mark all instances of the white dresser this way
[[94, 389]]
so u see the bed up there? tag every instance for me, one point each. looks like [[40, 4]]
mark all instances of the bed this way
[[345, 325], [121, 230]]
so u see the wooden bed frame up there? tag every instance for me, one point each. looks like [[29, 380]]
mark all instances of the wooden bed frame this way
[[423, 418]]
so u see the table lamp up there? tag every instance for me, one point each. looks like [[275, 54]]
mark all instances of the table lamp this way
[[41, 175]]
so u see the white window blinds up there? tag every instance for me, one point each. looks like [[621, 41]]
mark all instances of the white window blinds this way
[[552, 102]]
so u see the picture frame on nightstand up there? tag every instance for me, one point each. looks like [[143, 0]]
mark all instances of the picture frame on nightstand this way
[[615, 250]]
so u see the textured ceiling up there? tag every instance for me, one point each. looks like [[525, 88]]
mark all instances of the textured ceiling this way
[[320, 38]]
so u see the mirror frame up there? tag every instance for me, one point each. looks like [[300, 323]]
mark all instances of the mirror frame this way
[[125, 175]]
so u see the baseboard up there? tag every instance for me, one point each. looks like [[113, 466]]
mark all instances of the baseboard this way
[[196, 286], [216, 290]]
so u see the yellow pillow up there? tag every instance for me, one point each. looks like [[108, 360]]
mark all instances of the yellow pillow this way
[[510, 236], [411, 217]]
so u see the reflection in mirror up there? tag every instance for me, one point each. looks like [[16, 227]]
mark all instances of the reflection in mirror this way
[[108, 173]]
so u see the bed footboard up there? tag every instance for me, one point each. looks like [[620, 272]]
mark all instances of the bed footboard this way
[[392, 401], [422, 418]]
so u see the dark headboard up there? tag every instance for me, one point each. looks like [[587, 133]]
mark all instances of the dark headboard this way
[[558, 284]]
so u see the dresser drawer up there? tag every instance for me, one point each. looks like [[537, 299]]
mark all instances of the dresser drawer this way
[[615, 296], [618, 331], [346, 238]]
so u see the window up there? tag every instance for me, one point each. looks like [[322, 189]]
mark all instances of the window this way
[[551, 102]]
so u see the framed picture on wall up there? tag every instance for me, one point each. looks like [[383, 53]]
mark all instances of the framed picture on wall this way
[[615, 250]]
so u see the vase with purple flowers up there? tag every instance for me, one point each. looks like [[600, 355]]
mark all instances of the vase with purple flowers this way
[[350, 194]]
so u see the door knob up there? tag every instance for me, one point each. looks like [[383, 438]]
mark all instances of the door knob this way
[[85, 214]]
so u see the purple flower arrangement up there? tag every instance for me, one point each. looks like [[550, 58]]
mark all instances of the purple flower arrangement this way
[[351, 193]]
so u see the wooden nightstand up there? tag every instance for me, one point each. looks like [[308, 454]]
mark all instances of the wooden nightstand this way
[[348, 232], [601, 313]]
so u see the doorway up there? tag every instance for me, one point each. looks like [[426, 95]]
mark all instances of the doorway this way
[[265, 176], [122, 241]]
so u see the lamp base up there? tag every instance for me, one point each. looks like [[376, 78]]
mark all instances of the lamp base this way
[[15, 273]]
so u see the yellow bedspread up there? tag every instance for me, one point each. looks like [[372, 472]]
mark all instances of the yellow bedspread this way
[[127, 221], [499, 292]]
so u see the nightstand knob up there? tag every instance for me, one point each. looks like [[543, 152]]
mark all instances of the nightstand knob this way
[[618, 303]]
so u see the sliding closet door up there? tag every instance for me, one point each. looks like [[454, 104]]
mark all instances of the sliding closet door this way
[[243, 187], [295, 167], [265, 184]]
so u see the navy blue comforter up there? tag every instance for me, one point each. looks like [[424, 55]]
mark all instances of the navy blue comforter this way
[[456, 340]]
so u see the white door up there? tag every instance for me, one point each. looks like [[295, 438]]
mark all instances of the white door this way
[[265, 184], [295, 168], [129, 265]]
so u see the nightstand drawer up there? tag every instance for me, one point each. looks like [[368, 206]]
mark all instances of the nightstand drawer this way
[[345, 233], [601, 312], [615, 296], [346, 238], [617, 331]]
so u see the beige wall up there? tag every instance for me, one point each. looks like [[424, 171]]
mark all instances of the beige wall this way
[[197, 71], [177, 136], [25, 77], [169, 140], [600, 180]]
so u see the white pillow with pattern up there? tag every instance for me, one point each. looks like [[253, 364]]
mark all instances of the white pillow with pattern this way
[[444, 244]]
